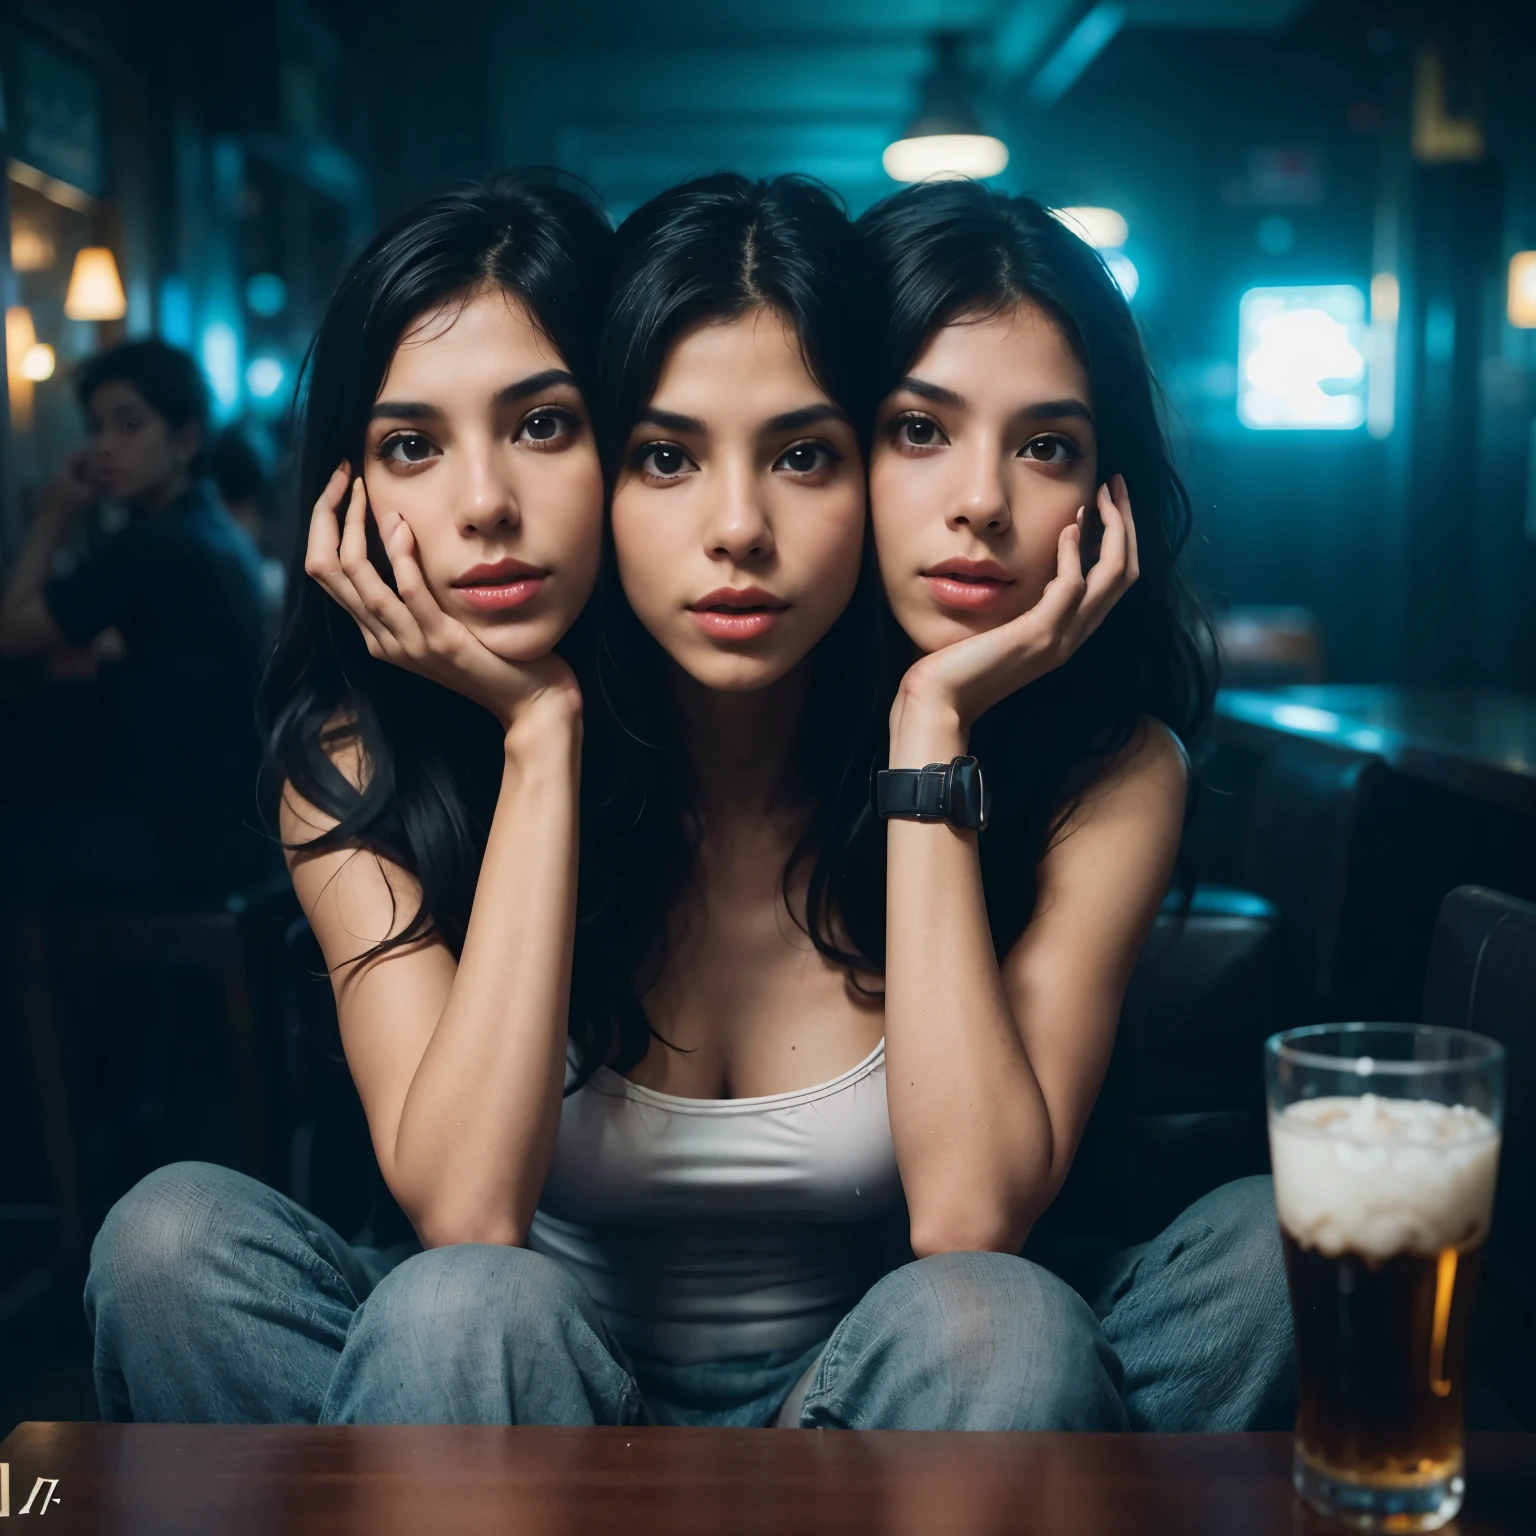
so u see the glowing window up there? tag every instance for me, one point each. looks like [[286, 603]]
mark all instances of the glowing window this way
[[1301, 358]]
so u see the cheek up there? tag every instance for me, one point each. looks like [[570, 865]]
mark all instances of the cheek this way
[[412, 498], [642, 549], [903, 503]]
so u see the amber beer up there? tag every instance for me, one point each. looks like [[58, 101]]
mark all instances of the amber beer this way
[[1382, 1357], [1384, 1205]]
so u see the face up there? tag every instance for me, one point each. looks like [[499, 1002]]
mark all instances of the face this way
[[135, 453], [738, 517], [982, 456], [480, 440]]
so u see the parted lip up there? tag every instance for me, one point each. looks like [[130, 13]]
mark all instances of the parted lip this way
[[740, 598], [499, 574], [970, 570]]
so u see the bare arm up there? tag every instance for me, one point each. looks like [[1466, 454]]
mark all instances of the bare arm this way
[[992, 1069], [27, 628], [460, 1067]]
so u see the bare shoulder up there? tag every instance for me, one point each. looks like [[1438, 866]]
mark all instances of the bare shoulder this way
[[350, 894], [299, 819], [1148, 777]]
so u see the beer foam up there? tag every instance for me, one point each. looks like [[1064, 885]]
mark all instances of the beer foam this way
[[1380, 1177]]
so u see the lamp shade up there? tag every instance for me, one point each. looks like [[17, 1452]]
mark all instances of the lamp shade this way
[[95, 289], [945, 139], [944, 156]]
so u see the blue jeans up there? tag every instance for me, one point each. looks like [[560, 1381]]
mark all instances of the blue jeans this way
[[213, 1298]]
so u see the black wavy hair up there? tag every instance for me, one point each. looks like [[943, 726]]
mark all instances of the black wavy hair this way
[[432, 757], [713, 249], [168, 378], [952, 251]]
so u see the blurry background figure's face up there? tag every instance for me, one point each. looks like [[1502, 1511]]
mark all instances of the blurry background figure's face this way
[[480, 440], [134, 452], [982, 456], [738, 517]]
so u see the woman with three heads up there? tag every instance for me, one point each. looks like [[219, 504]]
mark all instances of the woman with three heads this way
[[721, 1059]]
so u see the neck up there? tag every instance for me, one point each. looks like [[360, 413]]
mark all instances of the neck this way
[[740, 746], [159, 497]]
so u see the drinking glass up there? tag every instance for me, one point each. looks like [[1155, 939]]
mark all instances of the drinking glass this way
[[1385, 1144]]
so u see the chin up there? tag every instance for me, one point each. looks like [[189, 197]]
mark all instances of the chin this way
[[519, 642], [725, 672]]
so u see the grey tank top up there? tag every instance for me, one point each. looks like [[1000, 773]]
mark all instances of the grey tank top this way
[[711, 1229]]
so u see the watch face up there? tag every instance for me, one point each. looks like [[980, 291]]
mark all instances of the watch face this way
[[967, 803]]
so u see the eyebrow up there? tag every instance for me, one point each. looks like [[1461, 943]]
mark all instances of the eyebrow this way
[[788, 421], [1050, 409], [420, 410], [806, 416], [668, 421]]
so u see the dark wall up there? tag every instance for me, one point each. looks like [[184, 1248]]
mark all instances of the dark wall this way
[[1411, 550]]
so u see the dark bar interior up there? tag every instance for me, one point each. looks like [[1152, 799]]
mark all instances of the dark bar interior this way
[[1322, 217]]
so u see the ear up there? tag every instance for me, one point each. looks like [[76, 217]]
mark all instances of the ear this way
[[187, 441]]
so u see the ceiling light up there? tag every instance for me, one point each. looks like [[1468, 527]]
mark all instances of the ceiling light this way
[[31, 249], [95, 289], [945, 140], [37, 362], [1102, 228], [1522, 289]]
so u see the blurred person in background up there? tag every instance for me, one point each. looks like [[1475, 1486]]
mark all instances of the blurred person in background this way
[[181, 584], [245, 487]]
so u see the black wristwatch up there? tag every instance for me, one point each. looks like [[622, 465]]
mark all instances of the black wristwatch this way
[[951, 792]]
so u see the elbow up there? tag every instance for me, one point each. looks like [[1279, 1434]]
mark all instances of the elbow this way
[[447, 1231], [967, 1232], [441, 1225]]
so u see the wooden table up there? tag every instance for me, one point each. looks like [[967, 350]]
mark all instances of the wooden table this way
[[216, 1481]]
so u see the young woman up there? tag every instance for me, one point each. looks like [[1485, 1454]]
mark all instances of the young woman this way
[[1052, 641], [425, 736]]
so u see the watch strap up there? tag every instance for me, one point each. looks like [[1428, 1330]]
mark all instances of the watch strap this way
[[918, 792]]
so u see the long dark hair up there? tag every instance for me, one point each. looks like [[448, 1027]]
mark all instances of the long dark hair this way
[[432, 757], [713, 249], [951, 251]]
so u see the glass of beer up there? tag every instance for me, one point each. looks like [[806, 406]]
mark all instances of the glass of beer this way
[[1385, 1144]]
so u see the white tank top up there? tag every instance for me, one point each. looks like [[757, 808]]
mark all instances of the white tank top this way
[[709, 1229]]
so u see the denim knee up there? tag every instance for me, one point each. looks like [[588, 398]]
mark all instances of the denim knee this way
[[968, 1341], [480, 1333], [166, 1234], [1203, 1323], [470, 1296]]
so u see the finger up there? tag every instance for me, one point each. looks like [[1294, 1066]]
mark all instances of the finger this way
[[1123, 501], [1108, 581], [372, 590], [1064, 592], [321, 548], [322, 557], [400, 544]]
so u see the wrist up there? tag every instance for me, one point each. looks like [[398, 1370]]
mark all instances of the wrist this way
[[544, 730], [925, 729]]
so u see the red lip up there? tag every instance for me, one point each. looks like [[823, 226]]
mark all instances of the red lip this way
[[970, 570], [737, 613], [967, 584], [504, 584], [739, 597]]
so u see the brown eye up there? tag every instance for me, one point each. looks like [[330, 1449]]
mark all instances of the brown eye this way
[[1049, 450], [917, 432], [407, 448], [546, 426], [664, 461], [805, 458]]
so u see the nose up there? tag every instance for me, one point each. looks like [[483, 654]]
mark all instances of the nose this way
[[739, 527], [488, 498], [982, 506]]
